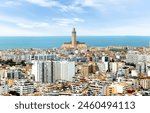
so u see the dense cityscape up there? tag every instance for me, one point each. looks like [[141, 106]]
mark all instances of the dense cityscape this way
[[75, 69]]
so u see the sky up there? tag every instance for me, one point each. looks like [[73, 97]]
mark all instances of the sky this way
[[89, 17]]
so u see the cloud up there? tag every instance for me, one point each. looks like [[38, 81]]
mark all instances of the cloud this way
[[67, 22], [94, 3], [107, 6], [44, 3], [11, 31], [31, 25], [73, 6], [24, 23], [67, 10], [10, 3]]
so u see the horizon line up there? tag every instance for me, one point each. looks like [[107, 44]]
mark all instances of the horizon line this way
[[70, 36]]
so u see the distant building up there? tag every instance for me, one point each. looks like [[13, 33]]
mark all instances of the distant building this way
[[24, 87], [110, 91], [145, 83], [14, 74], [114, 89], [134, 73], [85, 70], [136, 56], [114, 67], [3, 89], [74, 43]]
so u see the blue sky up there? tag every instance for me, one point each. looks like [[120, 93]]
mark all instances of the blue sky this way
[[89, 17]]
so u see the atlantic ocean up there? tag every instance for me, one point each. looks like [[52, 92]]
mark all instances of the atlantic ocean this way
[[45, 42]]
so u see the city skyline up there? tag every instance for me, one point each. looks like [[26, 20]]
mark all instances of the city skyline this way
[[57, 17]]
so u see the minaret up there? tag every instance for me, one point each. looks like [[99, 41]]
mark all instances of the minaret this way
[[74, 44]]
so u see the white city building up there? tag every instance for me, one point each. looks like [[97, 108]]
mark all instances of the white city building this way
[[64, 70], [24, 87], [3, 89], [134, 73], [114, 67], [50, 71], [136, 56], [43, 72]]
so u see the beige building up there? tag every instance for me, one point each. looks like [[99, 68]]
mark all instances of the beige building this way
[[85, 70], [145, 83], [110, 91], [74, 43]]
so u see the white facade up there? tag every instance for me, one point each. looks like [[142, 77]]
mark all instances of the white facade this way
[[119, 88], [148, 73], [42, 70], [24, 87], [135, 57], [3, 89], [103, 66], [114, 67], [2, 73], [132, 57], [50, 71], [64, 70], [57, 70], [105, 59], [134, 73]]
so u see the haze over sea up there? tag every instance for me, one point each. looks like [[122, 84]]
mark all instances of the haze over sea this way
[[56, 41]]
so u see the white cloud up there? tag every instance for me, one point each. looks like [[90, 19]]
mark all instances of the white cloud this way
[[11, 31], [44, 3], [24, 23], [32, 25], [10, 3], [107, 6], [94, 3], [72, 7], [67, 21]]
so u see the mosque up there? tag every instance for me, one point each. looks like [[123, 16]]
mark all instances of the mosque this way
[[74, 43]]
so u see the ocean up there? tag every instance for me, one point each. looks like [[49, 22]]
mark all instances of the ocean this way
[[56, 41]]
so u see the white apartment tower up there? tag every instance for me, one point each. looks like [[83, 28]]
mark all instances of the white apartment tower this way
[[63, 70], [42, 70], [50, 71]]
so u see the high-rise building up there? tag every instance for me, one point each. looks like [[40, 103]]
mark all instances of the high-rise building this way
[[42, 70], [106, 63], [63, 70], [114, 67], [50, 71]]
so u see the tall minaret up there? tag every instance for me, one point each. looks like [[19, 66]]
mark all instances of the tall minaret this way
[[74, 44]]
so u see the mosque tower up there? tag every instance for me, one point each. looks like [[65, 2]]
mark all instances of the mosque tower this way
[[74, 43]]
